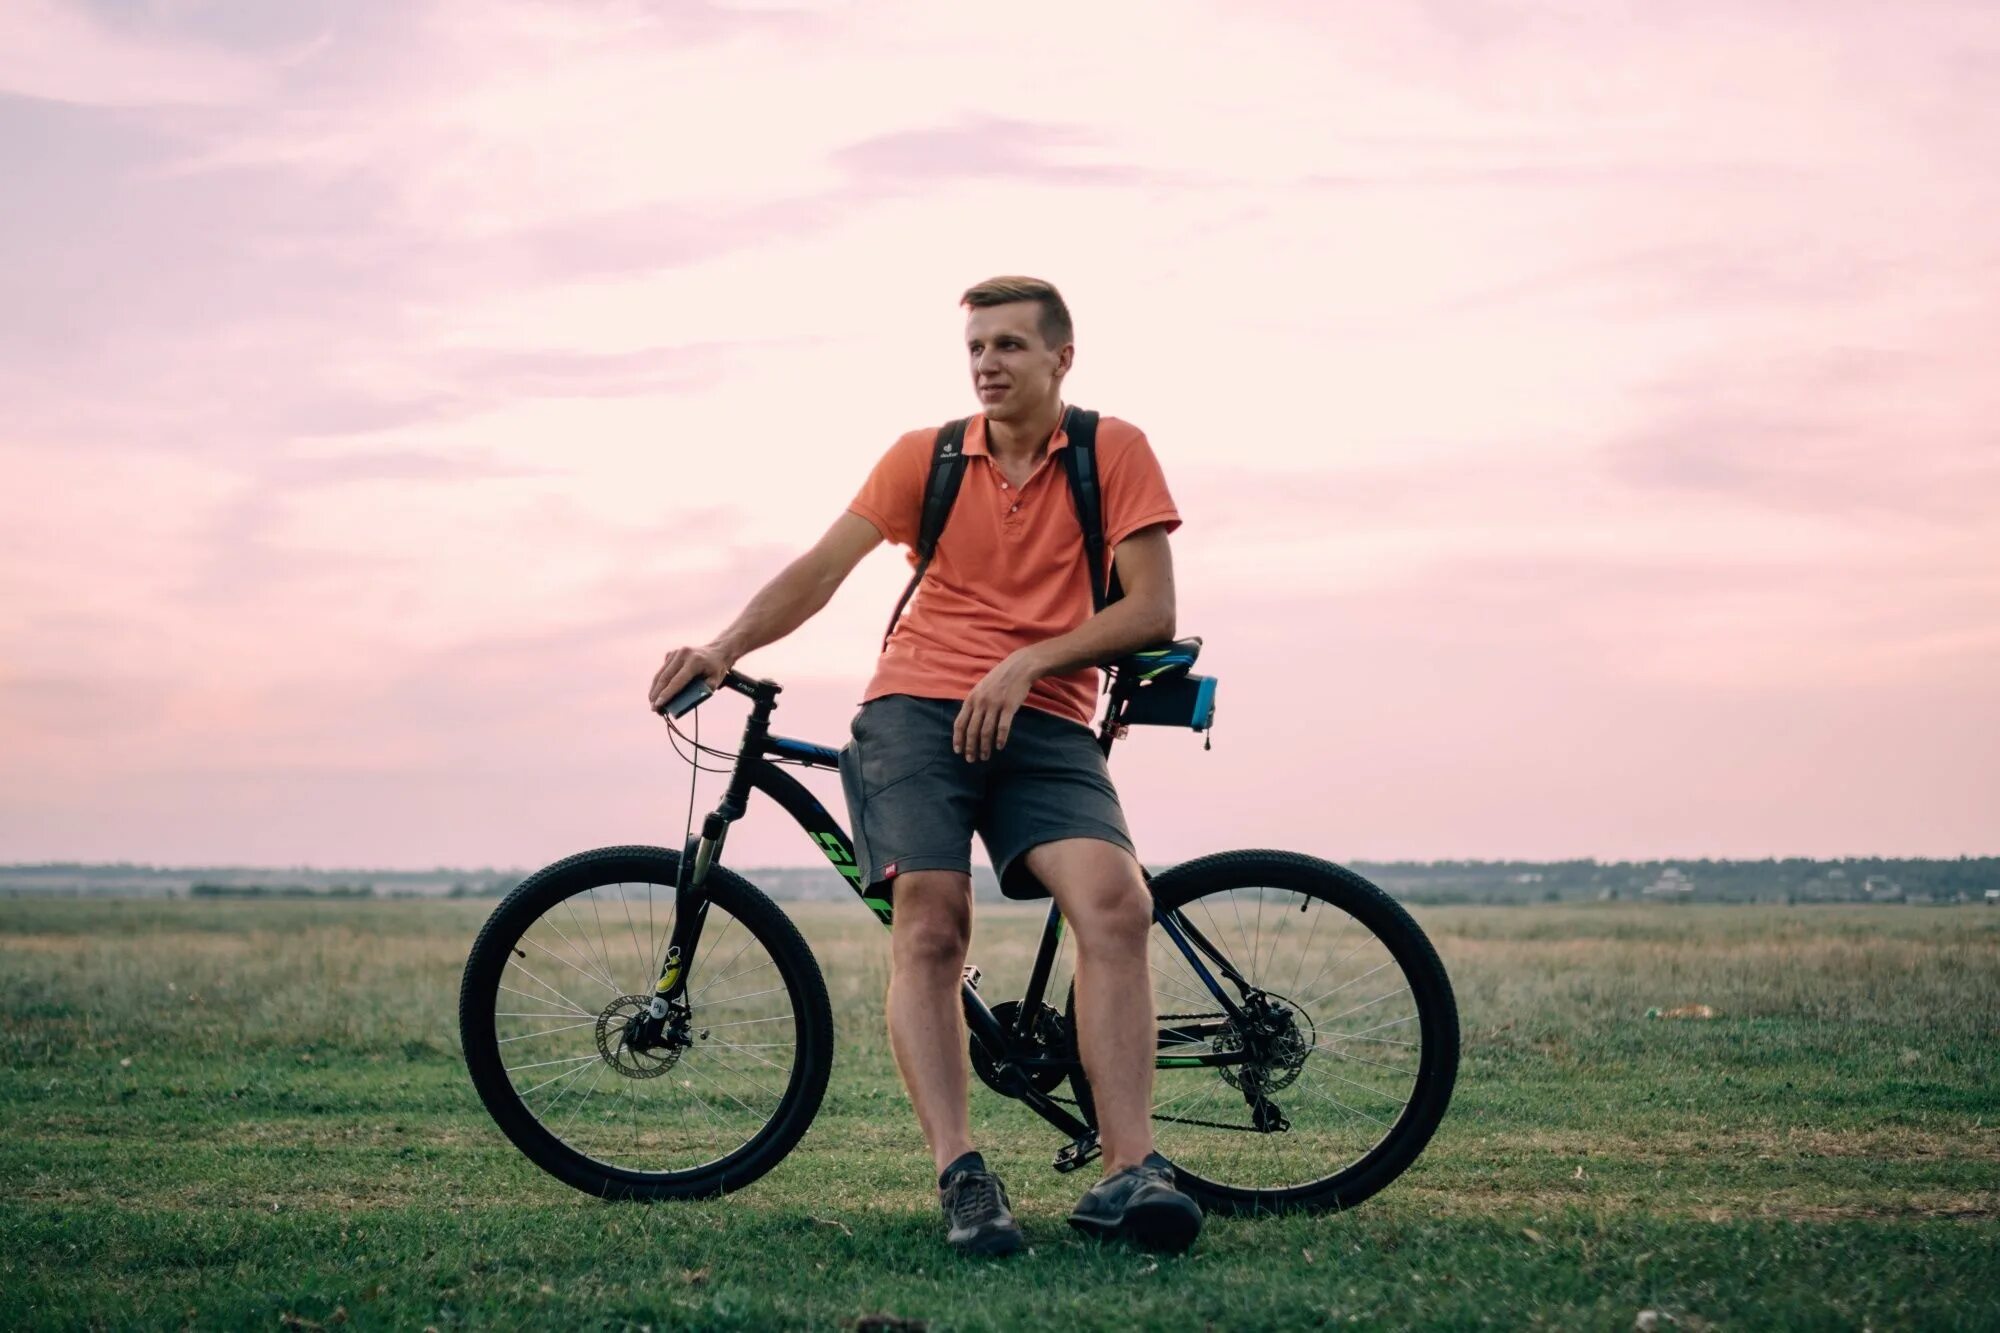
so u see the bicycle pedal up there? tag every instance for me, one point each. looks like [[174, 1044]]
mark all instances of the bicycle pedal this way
[[971, 976], [1076, 1154]]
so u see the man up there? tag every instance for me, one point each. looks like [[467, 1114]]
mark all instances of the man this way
[[978, 719]]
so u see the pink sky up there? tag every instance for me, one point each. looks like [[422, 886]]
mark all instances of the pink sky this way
[[1583, 414]]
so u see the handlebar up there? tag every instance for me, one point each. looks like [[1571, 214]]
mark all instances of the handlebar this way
[[683, 703], [698, 690]]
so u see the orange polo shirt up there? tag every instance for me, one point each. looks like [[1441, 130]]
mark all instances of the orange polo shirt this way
[[1009, 570]]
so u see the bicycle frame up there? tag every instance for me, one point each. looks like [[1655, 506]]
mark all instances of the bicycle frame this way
[[755, 770]]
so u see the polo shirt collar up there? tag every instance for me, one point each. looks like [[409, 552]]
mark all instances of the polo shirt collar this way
[[975, 435]]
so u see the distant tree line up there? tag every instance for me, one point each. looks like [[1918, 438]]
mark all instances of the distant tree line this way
[[209, 890], [1701, 879]]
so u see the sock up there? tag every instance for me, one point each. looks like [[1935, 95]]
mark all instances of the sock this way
[[971, 1161]]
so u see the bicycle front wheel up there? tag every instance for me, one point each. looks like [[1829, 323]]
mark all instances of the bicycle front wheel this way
[[569, 960], [1343, 1063]]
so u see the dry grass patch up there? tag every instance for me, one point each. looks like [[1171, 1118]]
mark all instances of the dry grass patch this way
[[1971, 1143]]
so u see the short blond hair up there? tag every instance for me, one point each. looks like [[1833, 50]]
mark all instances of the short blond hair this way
[[1055, 326]]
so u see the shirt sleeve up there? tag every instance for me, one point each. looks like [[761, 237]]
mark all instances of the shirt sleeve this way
[[1135, 490], [893, 496]]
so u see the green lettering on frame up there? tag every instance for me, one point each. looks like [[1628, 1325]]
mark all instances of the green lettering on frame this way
[[830, 844]]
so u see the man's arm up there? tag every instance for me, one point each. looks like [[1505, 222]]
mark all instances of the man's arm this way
[[781, 606], [1143, 616]]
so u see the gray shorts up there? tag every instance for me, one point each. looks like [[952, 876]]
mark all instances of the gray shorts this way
[[915, 805]]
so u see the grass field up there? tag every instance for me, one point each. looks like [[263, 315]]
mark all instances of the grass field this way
[[253, 1114]]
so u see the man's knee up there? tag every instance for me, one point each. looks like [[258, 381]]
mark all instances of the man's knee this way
[[1100, 889], [1115, 919], [932, 926]]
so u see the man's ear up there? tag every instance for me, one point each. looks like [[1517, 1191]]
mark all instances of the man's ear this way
[[1065, 359]]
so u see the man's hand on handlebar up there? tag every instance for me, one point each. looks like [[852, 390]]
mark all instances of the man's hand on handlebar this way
[[683, 665]]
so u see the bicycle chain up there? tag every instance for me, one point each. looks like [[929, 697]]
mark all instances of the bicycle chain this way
[[1176, 1119], [1168, 1119]]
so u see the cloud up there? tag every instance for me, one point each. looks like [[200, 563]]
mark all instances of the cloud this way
[[65, 53], [1852, 432], [668, 234], [985, 148]]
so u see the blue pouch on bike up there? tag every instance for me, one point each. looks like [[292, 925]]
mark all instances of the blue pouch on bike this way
[[1183, 701]]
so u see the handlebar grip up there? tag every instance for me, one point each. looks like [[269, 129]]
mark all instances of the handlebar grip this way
[[692, 693]]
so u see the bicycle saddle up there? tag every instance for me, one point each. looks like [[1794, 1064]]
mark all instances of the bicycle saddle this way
[[1162, 661]]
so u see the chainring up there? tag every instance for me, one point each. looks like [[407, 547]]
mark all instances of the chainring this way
[[1048, 1036]]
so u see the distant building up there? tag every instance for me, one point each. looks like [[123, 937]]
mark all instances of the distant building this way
[[1993, 897], [1671, 884]]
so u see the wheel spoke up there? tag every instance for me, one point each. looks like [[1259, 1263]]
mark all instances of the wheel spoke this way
[[1345, 984], [567, 1073], [1336, 963], [727, 1093], [541, 1000], [748, 941], [774, 1018], [523, 968], [610, 983], [595, 981], [646, 962], [1400, 1101], [1369, 1004], [543, 1064], [741, 972], [549, 1032]]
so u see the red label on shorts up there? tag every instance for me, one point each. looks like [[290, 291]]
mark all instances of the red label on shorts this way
[[889, 871]]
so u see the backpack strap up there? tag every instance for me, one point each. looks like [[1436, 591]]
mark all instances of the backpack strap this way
[[1079, 461], [940, 490]]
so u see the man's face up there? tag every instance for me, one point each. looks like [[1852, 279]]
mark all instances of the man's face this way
[[1014, 372]]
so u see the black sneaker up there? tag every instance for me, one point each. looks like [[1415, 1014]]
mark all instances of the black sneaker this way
[[975, 1204], [1141, 1205]]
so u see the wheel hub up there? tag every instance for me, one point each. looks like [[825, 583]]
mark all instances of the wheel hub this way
[[1277, 1043], [621, 1021]]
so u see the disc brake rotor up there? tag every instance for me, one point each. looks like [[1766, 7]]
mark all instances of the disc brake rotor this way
[[612, 1025], [1284, 1044]]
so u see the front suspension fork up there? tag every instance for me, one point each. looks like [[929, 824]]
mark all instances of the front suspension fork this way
[[690, 915]]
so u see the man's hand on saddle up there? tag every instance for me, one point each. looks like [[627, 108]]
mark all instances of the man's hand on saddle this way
[[987, 715], [683, 665]]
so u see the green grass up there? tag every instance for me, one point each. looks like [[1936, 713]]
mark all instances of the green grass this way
[[294, 1138]]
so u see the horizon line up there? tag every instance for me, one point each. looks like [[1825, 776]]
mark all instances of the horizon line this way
[[158, 867]]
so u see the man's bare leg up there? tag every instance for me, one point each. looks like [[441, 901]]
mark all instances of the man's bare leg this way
[[1103, 897], [927, 943]]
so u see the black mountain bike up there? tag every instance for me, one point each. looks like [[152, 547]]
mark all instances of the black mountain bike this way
[[646, 1024]]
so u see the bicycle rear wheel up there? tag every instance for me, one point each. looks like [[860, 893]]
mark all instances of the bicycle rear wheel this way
[[571, 957], [1353, 1028]]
